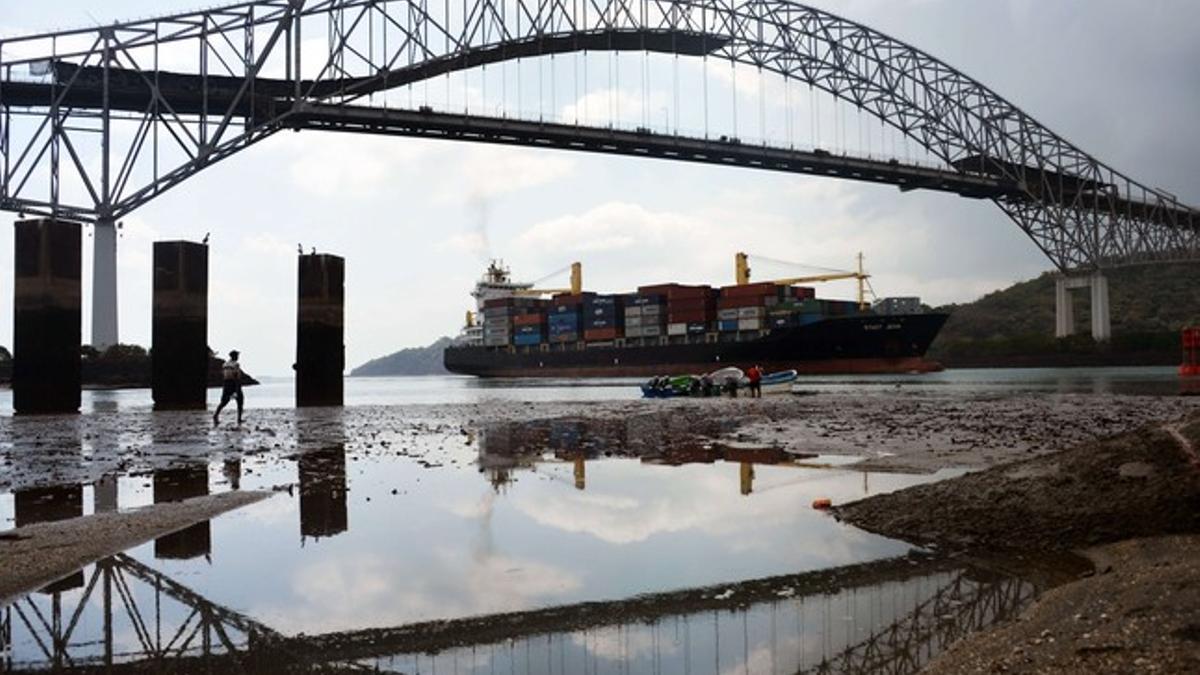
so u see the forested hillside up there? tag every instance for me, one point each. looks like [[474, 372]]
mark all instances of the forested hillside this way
[[1150, 304]]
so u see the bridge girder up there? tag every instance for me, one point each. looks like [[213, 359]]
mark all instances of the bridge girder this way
[[248, 79]]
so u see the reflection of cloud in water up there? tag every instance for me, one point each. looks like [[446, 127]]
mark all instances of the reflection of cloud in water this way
[[624, 643], [274, 510], [629, 503], [362, 591]]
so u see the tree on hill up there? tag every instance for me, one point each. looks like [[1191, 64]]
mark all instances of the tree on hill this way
[[1149, 304], [412, 361]]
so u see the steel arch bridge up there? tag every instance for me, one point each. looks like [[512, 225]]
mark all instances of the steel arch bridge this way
[[191, 89]]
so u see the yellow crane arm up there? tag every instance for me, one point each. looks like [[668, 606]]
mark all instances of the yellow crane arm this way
[[741, 266], [575, 289]]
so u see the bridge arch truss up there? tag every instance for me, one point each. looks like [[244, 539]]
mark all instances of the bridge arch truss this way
[[195, 88]]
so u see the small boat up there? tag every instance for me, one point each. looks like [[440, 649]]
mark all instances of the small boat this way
[[778, 382], [724, 375], [670, 387]]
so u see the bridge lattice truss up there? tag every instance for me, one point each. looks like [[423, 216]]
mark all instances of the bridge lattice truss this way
[[172, 624], [191, 89]]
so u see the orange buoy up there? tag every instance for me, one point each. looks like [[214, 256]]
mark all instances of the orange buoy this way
[[822, 503]]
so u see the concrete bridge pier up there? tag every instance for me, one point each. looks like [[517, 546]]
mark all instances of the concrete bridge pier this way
[[1064, 310], [104, 284], [320, 343], [47, 316], [179, 342]]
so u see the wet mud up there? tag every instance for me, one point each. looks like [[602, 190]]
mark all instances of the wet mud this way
[[1055, 472]]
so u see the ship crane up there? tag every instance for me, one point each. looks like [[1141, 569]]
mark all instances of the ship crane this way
[[742, 276], [575, 289]]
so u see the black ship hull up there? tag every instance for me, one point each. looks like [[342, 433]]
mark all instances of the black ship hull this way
[[861, 344]]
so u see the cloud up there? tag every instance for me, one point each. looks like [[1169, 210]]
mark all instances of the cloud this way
[[610, 227], [489, 171]]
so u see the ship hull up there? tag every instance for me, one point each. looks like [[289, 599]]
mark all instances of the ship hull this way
[[864, 345]]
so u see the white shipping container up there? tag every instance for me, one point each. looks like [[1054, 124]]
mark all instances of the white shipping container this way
[[652, 310], [652, 331], [751, 312], [632, 331], [750, 324], [677, 329], [633, 311], [730, 314], [633, 321]]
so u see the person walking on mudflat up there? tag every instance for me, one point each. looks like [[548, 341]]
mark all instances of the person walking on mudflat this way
[[231, 374]]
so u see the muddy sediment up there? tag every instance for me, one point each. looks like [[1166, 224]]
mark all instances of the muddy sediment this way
[[1131, 503], [1140, 612], [894, 431], [1137, 484]]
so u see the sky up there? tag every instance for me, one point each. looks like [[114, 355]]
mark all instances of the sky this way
[[417, 219]]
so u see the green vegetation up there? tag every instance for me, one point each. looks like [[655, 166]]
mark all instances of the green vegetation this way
[[411, 361], [1015, 326]]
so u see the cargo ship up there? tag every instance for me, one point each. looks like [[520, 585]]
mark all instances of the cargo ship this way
[[677, 328]]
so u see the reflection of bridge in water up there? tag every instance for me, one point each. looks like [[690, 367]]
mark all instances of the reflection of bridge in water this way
[[889, 616]]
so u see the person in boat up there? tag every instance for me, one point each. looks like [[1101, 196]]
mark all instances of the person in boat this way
[[755, 375], [706, 386]]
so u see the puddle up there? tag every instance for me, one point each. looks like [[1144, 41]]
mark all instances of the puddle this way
[[554, 547]]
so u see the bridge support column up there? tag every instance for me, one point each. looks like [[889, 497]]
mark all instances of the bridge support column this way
[[47, 316], [179, 342], [1064, 311], [1101, 321], [104, 285], [320, 346]]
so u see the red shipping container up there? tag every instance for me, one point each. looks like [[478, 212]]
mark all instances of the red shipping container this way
[[529, 319], [735, 303], [593, 334], [690, 304], [569, 299], [693, 316], [676, 291], [760, 289]]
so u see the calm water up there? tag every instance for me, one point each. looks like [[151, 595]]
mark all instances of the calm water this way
[[408, 524], [279, 392]]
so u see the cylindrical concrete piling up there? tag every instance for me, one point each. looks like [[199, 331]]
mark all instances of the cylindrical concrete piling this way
[[47, 318], [179, 341], [320, 347]]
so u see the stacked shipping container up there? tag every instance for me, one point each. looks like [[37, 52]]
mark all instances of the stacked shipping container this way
[[674, 310], [603, 318], [690, 310], [519, 321], [645, 315], [566, 317]]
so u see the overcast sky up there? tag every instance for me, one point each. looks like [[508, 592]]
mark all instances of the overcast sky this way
[[416, 220]]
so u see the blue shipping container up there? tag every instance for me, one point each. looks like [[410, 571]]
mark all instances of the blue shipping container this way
[[727, 326], [526, 340], [528, 330]]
